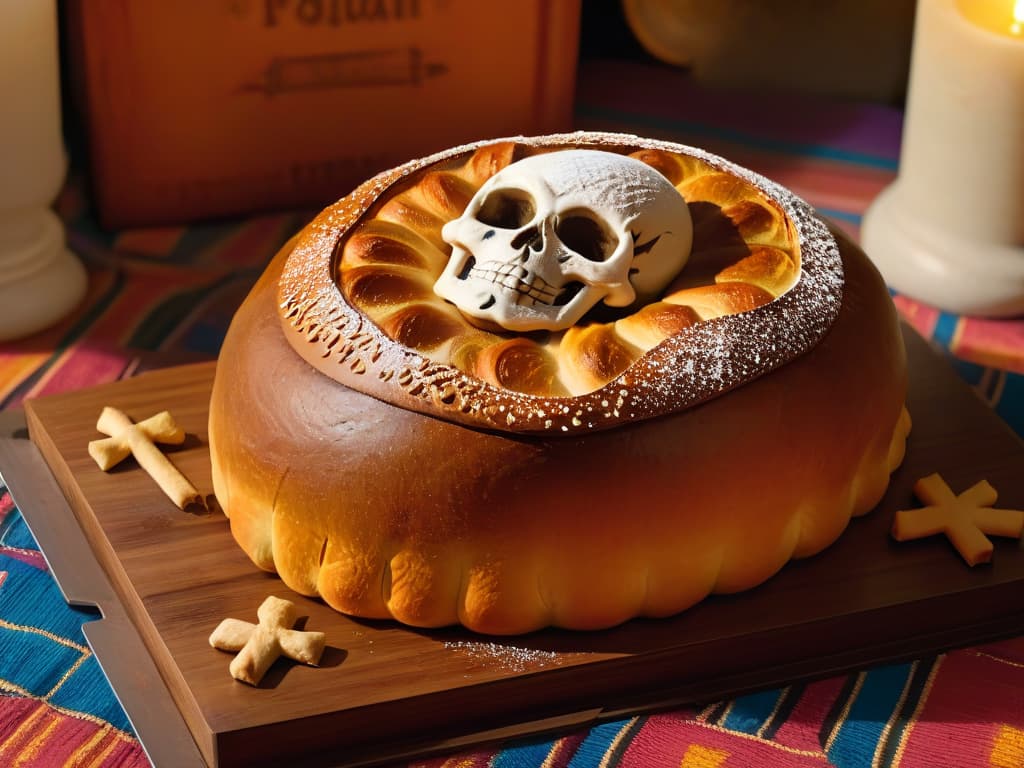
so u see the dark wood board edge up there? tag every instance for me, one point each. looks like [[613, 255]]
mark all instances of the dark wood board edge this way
[[941, 638], [647, 692]]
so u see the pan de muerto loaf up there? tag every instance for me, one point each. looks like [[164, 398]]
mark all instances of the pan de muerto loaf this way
[[566, 380]]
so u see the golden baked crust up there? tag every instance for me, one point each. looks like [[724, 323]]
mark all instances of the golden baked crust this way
[[407, 507], [594, 376], [744, 255]]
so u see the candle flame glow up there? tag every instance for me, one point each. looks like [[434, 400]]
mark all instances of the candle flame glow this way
[[1003, 17]]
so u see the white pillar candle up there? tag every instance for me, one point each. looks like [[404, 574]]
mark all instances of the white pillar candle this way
[[40, 281], [950, 230]]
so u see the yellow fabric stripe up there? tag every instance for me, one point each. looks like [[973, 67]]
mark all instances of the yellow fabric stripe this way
[[698, 756], [1008, 749], [12, 744], [16, 369], [84, 751], [6, 685], [67, 674], [44, 633], [37, 744]]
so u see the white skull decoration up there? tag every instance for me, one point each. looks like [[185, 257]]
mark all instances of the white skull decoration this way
[[548, 237]]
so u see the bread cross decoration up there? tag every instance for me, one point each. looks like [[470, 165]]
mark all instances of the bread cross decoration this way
[[259, 645], [965, 519], [139, 440]]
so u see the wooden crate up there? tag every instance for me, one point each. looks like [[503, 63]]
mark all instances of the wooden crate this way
[[196, 109]]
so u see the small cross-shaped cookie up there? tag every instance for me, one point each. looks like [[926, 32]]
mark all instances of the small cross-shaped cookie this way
[[965, 519], [259, 645], [139, 440]]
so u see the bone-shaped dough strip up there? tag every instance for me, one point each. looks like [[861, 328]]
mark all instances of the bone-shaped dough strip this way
[[965, 519], [140, 440], [259, 645], [111, 451]]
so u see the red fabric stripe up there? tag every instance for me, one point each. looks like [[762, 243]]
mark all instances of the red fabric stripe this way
[[922, 317], [51, 738], [801, 730], [678, 740], [995, 343], [6, 505], [84, 366], [27, 556], [1009, 650], [957, 729]]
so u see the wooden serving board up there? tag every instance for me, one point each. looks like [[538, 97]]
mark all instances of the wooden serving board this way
[[385, 690]]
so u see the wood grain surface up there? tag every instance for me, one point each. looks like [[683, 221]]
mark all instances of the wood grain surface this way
[[384, 690]]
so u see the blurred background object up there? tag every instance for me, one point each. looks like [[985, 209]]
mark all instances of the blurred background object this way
[[40, 280], [950, 230], [197, 109], [847, 48]]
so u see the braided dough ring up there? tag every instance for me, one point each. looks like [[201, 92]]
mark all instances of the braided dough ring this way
[[378, 451]]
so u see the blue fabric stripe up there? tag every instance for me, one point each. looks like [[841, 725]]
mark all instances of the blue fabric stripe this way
[[1011, 405], [7, 529], [945, 328], [17, 534], [855, 743], [835, 213], [749, 713], [530, 754], [87, 690], [819, 151], [27, 589], [597, 744], [33, 662]]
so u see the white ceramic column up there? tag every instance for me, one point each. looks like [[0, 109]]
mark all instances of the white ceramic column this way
[[40, 280], [950, 230]]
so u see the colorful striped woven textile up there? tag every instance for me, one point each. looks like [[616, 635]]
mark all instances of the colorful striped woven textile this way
[[169, 293]]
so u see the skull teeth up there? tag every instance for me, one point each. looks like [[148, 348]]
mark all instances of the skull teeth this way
[[531, 288]]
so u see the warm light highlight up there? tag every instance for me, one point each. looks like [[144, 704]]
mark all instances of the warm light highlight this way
[[1003, 17]]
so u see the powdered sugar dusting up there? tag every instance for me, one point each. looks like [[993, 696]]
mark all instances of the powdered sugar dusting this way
[[700, 362], [505, 658]]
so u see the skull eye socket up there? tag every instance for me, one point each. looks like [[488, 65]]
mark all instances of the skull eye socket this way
[[507, 209], [586, 235]]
